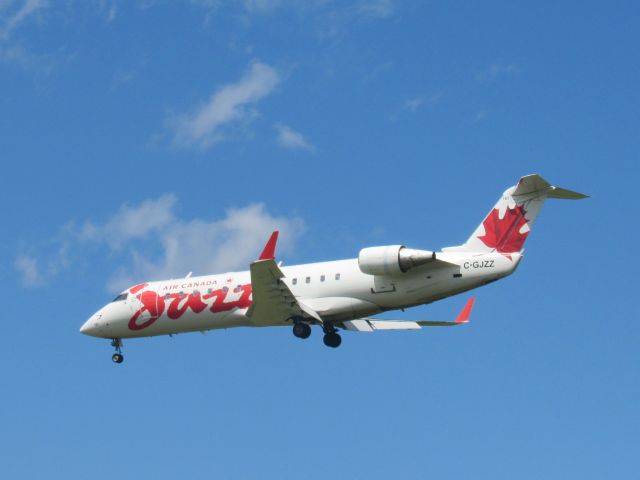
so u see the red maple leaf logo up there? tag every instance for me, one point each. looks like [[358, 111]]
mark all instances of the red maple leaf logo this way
[[503, 234]]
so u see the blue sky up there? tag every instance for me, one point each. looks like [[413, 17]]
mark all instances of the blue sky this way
[[148, 138]]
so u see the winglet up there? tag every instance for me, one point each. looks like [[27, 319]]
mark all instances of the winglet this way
[[465, 314], [269, 252]]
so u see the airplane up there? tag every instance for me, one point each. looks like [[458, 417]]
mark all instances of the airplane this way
[[336, 295]]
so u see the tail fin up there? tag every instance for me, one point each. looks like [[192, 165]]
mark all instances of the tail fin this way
[[508, 224]]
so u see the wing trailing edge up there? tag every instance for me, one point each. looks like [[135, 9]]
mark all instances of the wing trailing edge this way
[[371, 325]]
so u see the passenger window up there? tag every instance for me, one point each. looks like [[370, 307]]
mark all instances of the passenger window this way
[[294, 281], [167, 296], [308, 280], [225, 289], [322, 278], [196, 293], [209, 290], [181, 294], [337, 276]]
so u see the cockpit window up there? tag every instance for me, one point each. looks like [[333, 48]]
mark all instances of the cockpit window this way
[[121, 297]]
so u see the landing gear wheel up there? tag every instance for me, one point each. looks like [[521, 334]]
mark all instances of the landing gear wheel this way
[[301, 330], [332, 339], [117, 344]]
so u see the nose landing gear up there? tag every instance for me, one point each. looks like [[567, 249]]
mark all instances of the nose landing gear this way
[[117, 357]]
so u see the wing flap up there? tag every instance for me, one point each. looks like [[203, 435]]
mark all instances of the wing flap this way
[[371, 325], [394, 325]]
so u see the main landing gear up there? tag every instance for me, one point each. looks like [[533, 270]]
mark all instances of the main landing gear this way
[[303, 330], [117, 357], [331, 337]]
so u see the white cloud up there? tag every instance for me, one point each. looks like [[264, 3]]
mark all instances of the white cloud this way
[[497, 70], [132, 222], [15, 17], [203, 247], [376, 8], [414, 103], [480, 116], [228, 105], [27, 266], [289, 138], [365, 8], [330, 19], [18, 55], [33, 273], [113, 12], [370, 8], [207, 3], [122, 77], [261, 6], [150, 242]]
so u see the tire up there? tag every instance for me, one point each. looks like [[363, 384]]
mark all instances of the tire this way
[[117, 358], [301, 330], [332, 340]]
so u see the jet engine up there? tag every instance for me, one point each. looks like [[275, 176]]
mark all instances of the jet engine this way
[[392, 259]]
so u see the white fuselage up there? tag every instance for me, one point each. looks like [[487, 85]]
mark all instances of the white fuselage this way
[[335, 295], [336, 290]]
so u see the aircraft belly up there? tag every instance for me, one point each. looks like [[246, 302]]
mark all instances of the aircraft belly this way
[[192, 322], [342, 308]]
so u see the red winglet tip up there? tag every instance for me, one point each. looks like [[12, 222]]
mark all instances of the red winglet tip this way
[[465, 314], [269, 252]]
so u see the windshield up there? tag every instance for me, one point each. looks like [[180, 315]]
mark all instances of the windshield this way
[[121, 297]]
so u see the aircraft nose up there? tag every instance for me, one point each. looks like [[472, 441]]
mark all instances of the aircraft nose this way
[[90, 327], [108, 322]]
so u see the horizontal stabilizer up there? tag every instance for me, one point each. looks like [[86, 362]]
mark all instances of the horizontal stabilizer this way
[[534, 185], [565, 194]]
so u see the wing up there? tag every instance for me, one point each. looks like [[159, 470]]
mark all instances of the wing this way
[[273, 302], [371, 325]]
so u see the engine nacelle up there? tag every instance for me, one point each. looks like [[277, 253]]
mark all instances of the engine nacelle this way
[[392, 259]]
